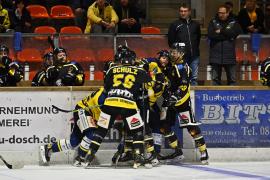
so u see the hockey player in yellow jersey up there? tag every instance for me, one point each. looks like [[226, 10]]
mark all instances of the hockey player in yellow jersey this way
[[148, 110], [179, 102], [64, 72], [86, 113], [122, 85]]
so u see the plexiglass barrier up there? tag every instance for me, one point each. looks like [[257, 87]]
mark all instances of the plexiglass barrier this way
[[94, 50]]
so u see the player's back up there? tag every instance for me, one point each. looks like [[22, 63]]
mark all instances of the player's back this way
[[124, 81]]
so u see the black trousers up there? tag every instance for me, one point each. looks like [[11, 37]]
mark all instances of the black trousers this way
[[230, 70]]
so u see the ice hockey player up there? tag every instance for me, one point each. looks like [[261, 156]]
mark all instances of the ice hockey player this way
[[115, 61], [179, 99], [65, 72], [122, 83], [11, 72], [87, 111], [265, 72], [40, 78], [147, 104]]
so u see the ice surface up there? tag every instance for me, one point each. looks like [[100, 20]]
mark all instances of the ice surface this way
[[216, 170]]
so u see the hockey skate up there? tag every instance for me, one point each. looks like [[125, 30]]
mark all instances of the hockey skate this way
[[79, 162], [175, 157], [139, 161], [153, 159], [116, 157], [88, 160], [122, 159], [204, 157], [45, 153], [125, 157]]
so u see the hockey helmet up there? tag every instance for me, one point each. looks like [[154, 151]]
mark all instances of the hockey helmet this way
[[60, 59], [164, 53], [178, 52], [59, 50], [180, 47], [127, 57], [265, 72], [4, 51], [120, 49], [48, 59]]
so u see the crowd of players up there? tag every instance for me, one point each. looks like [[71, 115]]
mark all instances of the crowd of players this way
[[143, 99]]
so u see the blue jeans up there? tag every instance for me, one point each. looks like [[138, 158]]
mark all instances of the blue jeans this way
[[194, 65]]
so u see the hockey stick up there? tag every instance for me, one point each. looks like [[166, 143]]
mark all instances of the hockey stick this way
[[75, 110], [50, 41], [14, 166]]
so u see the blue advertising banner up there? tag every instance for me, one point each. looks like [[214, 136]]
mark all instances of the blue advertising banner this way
[[234, 118]]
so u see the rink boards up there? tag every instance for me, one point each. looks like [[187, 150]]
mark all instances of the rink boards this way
[[235, 122]]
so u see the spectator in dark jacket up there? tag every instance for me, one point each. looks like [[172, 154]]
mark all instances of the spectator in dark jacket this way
[[21, 19], [129, 17], [229, 5], [80, 8], [222, 32], [187, 31], [251, 18]]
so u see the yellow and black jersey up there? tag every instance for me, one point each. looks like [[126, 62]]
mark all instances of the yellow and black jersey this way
[[123, 84], [159, 80], [40, 79], [107, 66], [158, 88], [179, 77], [11, 72], [71, 74], [93, 102]]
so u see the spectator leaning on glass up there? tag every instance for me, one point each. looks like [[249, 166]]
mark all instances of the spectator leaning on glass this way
[[222, 32], [4, 19], [251, 18], [101, 18], [187, 31], [129, 15]]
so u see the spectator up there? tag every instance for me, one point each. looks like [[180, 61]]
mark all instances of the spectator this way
[[80, 8], [7, 4], [251, 18], [101, 18], [187, 31], [229, 5], [222, 32], [21, 18], [128, 17], [4, 19], [267, 19]]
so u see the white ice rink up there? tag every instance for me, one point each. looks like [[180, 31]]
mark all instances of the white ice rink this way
[[216, 170]]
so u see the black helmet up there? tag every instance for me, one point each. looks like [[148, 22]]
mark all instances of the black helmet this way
[[178, 53], [120, 48], [58, 50], [46, 58], [164, 53], [4, 48], [127, 57], [265, 72], [181, 47], [62, 60]]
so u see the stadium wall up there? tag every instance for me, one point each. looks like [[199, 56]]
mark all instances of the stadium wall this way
[[235, 123]]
